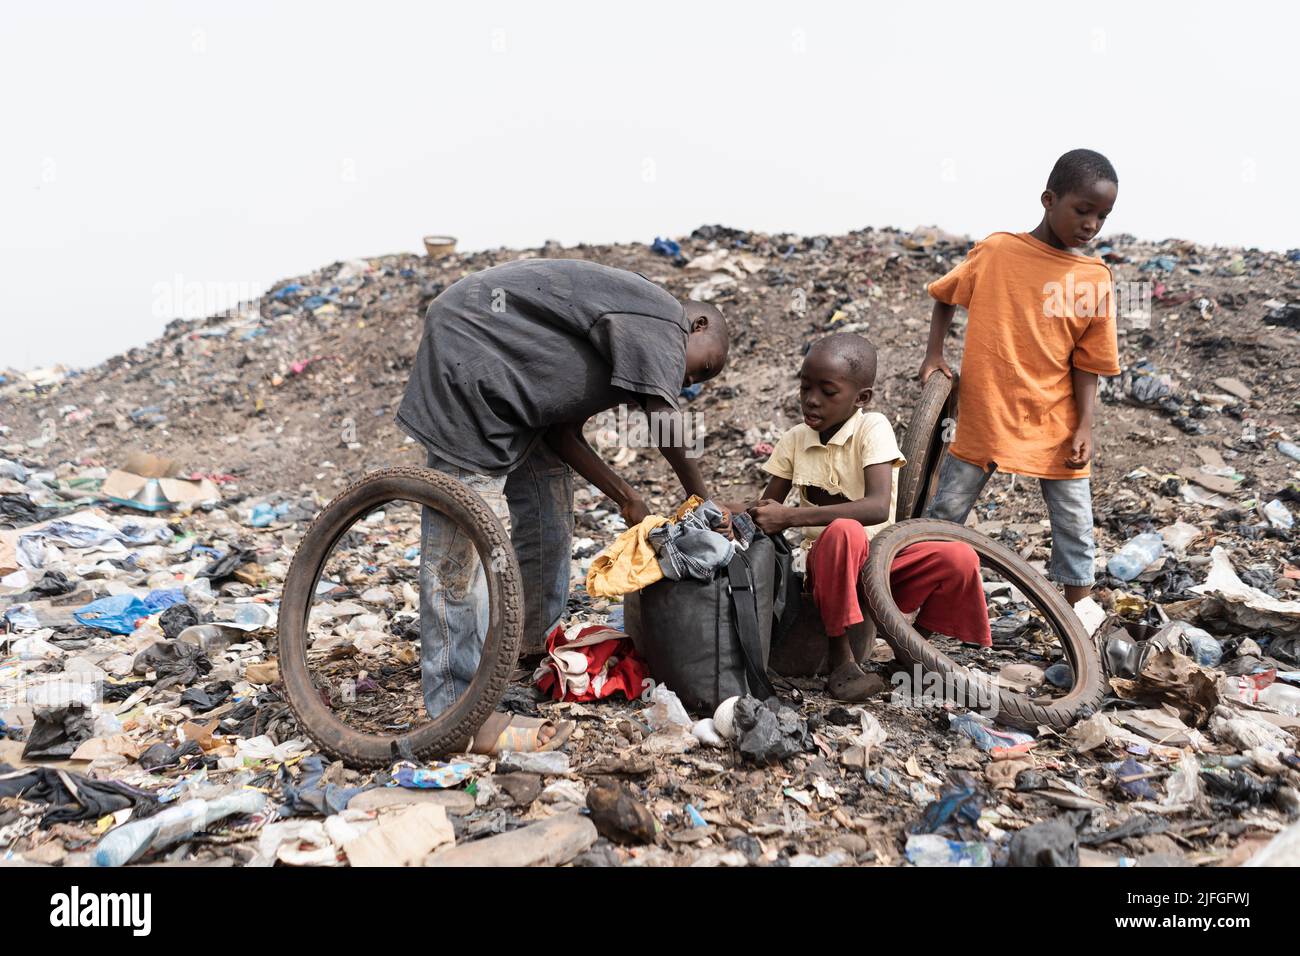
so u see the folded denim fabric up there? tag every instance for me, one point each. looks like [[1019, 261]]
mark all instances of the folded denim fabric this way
[[690, 548], [744, 529]]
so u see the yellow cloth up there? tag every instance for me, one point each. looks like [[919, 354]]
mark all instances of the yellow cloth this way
[[865, 439], [628, 564]]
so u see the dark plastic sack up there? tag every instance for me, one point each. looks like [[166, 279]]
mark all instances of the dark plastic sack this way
[[690, 632]]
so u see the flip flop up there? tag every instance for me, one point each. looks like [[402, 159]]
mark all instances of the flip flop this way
[[517, 734], [849, 683]]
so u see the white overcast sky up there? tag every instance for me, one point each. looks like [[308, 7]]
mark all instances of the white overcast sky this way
[[147, 145]]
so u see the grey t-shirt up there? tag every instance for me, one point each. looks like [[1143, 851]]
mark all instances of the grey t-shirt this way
[[509, 351]]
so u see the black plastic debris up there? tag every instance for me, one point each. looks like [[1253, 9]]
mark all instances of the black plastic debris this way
[[1050, 843], [174, 662], [176, 619], [768, 731], [58, 731]]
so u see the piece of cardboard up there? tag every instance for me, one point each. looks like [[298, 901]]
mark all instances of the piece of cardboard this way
[[403, 837], [122, 484], [182, 491], [179, 491], [98, 746], [8, 552], [1215, 483]]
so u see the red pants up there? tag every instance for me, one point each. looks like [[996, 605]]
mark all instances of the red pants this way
[[942, 578]]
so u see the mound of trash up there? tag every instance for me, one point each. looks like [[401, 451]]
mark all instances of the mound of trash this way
[[150, 507]]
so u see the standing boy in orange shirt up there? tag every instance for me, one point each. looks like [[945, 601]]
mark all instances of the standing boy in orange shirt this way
[[1041, 329]]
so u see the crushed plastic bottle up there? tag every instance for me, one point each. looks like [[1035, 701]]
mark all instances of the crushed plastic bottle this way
[[1136, 556], [1289, 449], [1204, 647], [132, 840]]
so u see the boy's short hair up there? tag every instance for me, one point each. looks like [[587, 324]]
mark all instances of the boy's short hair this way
[[856, 352], [1079, 168]]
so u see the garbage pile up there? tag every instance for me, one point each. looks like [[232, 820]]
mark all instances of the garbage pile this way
[[149, 509]]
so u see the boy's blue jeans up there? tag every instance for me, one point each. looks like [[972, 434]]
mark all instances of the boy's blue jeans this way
[[1069, 508], [536, 502]]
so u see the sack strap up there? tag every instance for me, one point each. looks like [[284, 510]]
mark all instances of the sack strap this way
[[740, 591], [782, 548]]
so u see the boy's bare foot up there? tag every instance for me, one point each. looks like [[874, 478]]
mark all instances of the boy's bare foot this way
[[849, 683]]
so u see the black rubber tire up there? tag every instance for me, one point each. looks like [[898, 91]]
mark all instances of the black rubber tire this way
[[938, 449], [450, 730], [913, 650], [922, 446]]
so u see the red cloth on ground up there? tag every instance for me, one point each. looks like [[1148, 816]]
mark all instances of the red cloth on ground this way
[[942, 578], [611, 664]]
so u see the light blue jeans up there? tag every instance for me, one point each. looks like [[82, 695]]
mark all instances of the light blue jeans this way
[[536, 502], [1069, 508]]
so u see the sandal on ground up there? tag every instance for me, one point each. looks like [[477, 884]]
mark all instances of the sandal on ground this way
[[503, 731], [849, 683]]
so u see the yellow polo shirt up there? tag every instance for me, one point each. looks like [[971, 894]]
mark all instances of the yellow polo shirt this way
[[865, 439]]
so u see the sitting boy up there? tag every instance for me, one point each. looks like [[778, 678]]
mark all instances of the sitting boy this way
[[844, 462]]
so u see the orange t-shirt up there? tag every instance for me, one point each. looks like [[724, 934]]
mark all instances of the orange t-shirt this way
[[1035, 313]]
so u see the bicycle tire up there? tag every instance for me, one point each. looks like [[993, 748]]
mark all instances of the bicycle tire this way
[[922, 446], [911, 649], [446, 733]]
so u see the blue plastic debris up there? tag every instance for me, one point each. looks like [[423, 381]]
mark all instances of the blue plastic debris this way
[[440, 776], [120, 613], [1159, 263], [960, 798], [1060, 675], [665, 247], [1132, 779]]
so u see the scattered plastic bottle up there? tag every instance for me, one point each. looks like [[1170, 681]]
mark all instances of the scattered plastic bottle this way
[[1289, 449], [132, 840], [1136, 556], [1204, 647], [209, 637], [930, 849]]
